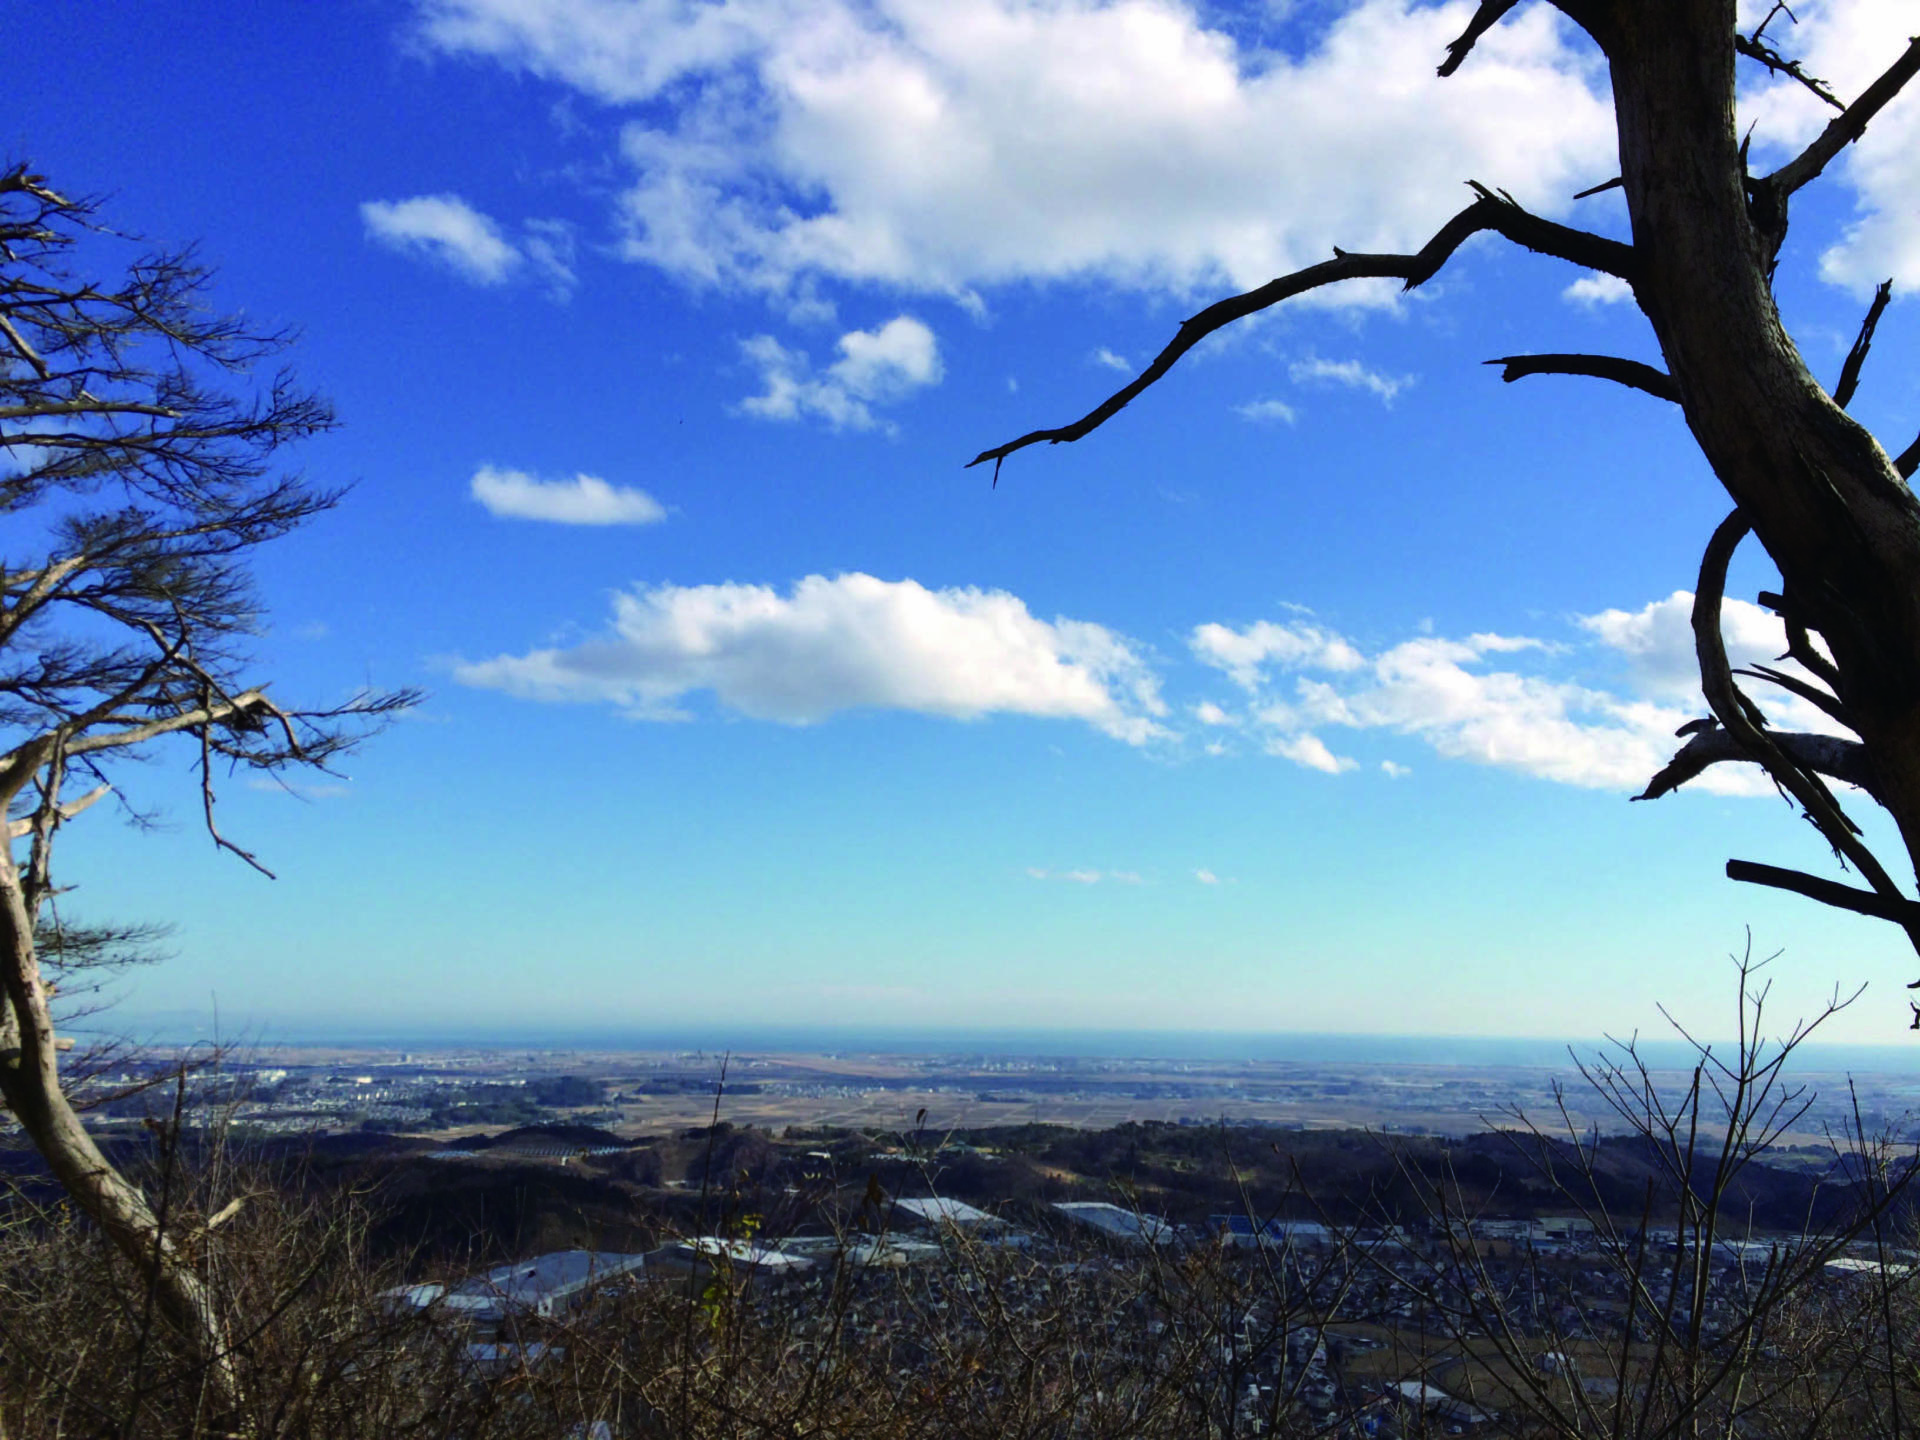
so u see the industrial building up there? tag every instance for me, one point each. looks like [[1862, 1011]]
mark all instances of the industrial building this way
[[1280, 1234], [704, 1254], [544, 1285], [1116, 1223], [936, 1212]]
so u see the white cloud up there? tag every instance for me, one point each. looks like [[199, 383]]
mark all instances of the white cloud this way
[[1087, 877], [1393, 770], [1208, 713], [1206, 877], [1266, 412], [549, 247], [1245, 653], [446, 229], [1106, 357], [1309, 751], [1459, 697], [837, 644], [875, 367], [1848, 43], [1590, 292], [1350, 373], [943, 145], [583, 500], [1658, 641]]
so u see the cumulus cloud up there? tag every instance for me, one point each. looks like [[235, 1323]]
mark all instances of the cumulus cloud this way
[[583, 500], [875, 367], [1848, 43], [1106, 357], [1590, 292], [1206, 877], [1467, 699], [842, 643], [446, 230], [1349, 373], [943, 145]]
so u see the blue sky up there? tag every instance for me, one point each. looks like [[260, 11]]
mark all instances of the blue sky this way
[[1307, 695]]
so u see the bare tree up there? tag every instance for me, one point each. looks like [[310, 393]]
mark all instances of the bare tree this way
[[1829, 503], [135, 485]]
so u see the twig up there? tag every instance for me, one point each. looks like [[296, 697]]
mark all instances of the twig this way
[[1631, 373]]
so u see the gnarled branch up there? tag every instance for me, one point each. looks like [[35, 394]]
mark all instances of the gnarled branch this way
[[1631, 373], [1737, 714], [1793, 684], [1843, 760], [1490, 211], [1848, 126]]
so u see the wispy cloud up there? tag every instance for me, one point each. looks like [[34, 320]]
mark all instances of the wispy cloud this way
[[1466, 700], [446, 230], [1106, 357], [1349, 373], [583, 500], [1267, 412]]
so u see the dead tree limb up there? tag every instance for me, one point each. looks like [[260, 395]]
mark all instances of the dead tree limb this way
[[1830, 755], [1857, 356], [1738, 715], [1905, 913], [1490, 14], [1848, 126], [1631, 373], [1491, 211]]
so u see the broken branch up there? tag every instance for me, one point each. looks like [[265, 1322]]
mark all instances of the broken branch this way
[[1490, 14], [1631, 373], [1857, 356], [1844, 760]]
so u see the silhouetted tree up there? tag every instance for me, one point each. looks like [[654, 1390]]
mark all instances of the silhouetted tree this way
[[1831, 506], [135, 483]]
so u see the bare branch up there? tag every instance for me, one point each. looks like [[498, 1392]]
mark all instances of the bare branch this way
[[1812, 694], [1908, 460], [1617, 182], [62, 813], [242, 704], [1857, 356], [1843, 760], [1905, 913], [1631, 373], [1739, 715], [1848, 126], [1489, 212], [1754, 48], [1490, 14]]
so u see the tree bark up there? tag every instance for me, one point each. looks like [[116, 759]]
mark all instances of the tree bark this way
[[1821, 494], [30, 1085]]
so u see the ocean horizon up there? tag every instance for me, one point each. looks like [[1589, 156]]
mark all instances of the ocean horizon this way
[[1214, 1046]]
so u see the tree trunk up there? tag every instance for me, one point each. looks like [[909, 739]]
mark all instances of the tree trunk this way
[[1820, 493], [30, 1085]]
